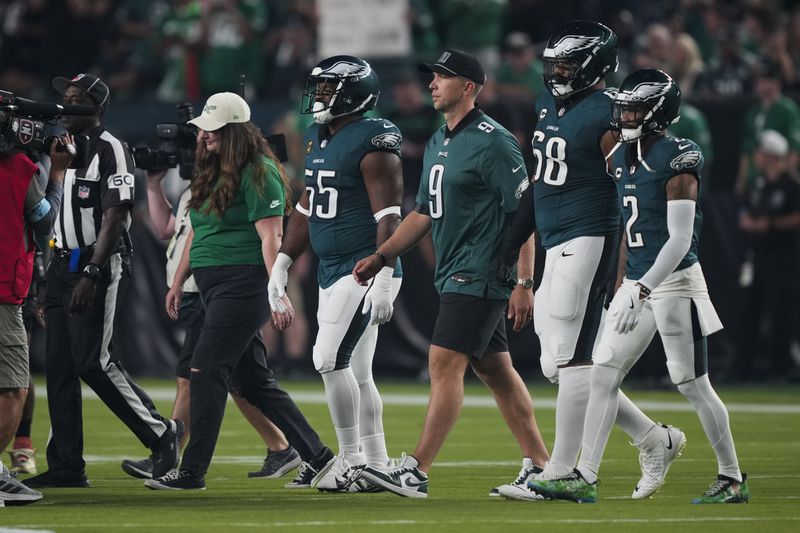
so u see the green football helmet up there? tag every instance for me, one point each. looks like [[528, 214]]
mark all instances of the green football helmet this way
[[648, 101], [352, 84], [577, 56]]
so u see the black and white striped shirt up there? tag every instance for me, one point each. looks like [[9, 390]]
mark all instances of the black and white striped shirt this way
[[106, 182]]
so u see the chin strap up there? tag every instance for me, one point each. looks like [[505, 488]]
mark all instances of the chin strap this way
[[638, 154]]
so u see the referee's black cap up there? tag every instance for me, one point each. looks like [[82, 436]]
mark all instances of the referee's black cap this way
[[94, 87], [454, 62]]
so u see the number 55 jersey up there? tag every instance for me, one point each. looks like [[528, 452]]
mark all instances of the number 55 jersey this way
[[573, 194], [341, 224]]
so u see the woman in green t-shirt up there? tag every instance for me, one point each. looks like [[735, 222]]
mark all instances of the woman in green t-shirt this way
[[237, 207]]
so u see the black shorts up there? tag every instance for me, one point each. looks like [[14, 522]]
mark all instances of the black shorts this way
[[471, 325]]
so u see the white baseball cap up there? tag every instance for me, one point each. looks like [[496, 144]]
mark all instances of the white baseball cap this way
[[222, 109], [773, 143]]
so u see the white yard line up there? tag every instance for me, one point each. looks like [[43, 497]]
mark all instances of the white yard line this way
[[163, 394]]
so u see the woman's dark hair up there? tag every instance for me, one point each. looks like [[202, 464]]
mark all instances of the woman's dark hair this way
[[217, 175]]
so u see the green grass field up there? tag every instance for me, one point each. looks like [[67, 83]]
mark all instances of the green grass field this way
[[479, 454]]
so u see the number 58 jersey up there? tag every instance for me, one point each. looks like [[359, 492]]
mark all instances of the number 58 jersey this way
[[573, 194], [341, 224]]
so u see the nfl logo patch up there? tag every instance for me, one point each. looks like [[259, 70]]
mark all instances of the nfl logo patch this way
[[83, 192]]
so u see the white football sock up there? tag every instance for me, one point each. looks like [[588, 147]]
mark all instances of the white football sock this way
[[600, 416], [714, 419], [573, 395], [371, 424], [341, 392], [632, 420]]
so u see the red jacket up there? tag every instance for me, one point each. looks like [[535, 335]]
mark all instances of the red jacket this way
[[16, 260]]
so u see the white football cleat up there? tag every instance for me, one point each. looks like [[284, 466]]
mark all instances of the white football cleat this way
[[656, 461]]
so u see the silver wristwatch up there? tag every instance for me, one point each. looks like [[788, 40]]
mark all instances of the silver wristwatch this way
[[525, 282]]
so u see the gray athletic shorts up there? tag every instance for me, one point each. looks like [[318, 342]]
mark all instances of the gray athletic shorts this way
[[14, 371]]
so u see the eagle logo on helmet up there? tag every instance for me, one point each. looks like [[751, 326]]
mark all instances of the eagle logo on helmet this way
[[343, 69], [686, 160], [649, 89], [387, 140], [570, 44]]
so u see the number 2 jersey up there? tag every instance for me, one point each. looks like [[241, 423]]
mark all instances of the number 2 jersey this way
[[573, 194], [643, 197], [341, 224], [471, 182]]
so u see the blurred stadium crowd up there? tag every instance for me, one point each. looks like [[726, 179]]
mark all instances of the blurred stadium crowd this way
[[737, 63]]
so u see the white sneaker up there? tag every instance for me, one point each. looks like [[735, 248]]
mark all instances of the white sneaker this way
[[13, 492], [655, 462], [405, 480], [339, 477], [518, 489]]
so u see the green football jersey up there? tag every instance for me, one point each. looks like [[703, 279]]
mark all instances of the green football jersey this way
[[341, 224], [573, 194], [472, 179], [643, 197]]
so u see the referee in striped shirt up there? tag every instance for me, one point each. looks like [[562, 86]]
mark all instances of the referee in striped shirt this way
[[86, 283]]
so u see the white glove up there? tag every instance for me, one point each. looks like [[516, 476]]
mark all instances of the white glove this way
[[277, 282], [379, 297], [626, 308]]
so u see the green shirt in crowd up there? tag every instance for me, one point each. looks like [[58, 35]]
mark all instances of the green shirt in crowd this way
[[232, 239], [783, 116]]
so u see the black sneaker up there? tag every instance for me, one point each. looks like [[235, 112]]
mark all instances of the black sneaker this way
[[58, 479], [176, 480], [142, 469], [303, 478], [310, 470], [278, 464], [166, 451]]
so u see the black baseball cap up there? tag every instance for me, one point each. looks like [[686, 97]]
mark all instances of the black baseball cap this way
[[454, 62], [94, 87]]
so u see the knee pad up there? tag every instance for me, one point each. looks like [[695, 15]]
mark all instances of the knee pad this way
[[606, 355], [561, 352], [680, 369], [549, 368], [324, 359]]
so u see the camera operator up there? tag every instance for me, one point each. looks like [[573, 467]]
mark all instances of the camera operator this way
[[25, 207], [86, 283]]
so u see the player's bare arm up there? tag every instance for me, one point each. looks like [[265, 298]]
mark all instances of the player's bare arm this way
[[411, 230], [682, 187], [607, 143], [383, 178], [296, 239]]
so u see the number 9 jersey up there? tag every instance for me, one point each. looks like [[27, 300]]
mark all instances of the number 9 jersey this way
[[573, 194], [341, 224], [472, 179]]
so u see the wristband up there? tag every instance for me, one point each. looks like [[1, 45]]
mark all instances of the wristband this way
[[381, 256], [644, 292]]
